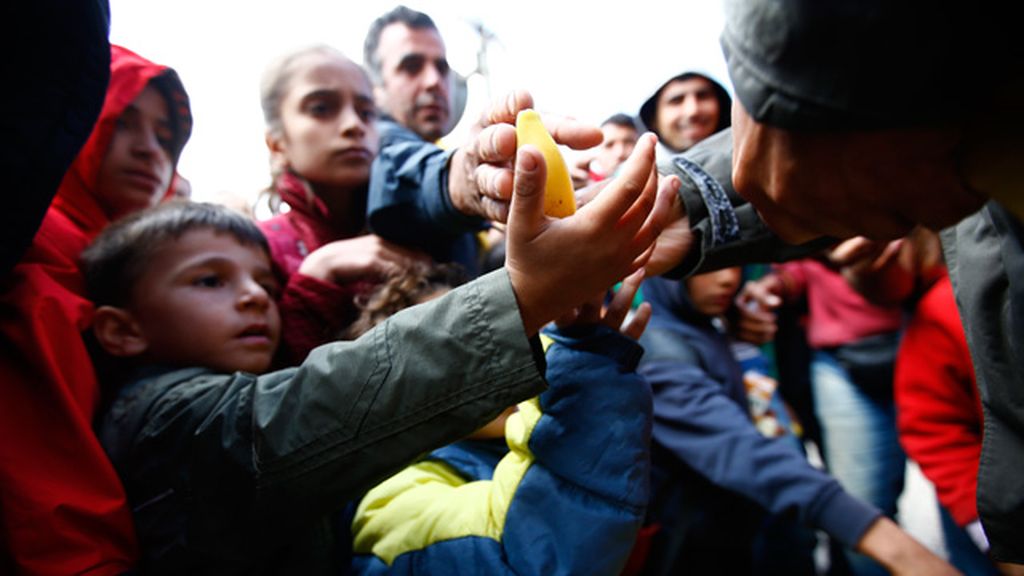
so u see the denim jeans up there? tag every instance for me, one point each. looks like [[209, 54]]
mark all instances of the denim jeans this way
[[963, 552], [860, 444]]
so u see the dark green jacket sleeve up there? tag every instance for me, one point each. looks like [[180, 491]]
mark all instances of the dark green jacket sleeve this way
[[232, 466]]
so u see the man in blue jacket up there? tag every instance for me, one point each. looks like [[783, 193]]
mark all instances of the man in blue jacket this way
[[406, 60]]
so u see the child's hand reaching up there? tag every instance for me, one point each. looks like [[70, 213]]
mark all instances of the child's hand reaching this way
[[556, 264], [614, 315]]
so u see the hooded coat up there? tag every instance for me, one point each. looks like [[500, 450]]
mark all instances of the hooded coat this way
[[62, 507], [709, 462], [649, 110]]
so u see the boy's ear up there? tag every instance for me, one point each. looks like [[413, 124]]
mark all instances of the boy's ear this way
[[117, 332]]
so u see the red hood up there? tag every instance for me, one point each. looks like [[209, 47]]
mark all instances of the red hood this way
[[129, 75]]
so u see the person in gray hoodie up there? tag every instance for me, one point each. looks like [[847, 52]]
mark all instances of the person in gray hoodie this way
[[684, 110]]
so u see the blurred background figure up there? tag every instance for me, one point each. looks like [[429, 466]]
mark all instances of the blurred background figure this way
[[619, 132], [685, 110]]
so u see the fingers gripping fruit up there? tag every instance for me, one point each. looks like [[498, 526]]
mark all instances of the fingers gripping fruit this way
[[559, 200]]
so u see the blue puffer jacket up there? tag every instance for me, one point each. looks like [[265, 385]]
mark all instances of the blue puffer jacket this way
[[566, 495], [707, 455]]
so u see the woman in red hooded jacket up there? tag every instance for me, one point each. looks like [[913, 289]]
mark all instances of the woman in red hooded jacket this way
[[62, 507]]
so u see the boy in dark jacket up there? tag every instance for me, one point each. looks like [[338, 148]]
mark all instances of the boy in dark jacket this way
[[229, 472], [710, 463]]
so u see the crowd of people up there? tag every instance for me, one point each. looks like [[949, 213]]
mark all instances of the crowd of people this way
[[409, 368]]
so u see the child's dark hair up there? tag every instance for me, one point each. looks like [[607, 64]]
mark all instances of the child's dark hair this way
[[412, 286], [118, 257], [622, 119]]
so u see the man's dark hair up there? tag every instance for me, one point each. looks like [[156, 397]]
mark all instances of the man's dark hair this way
[[398, 15], [622, 119], [119, 256]]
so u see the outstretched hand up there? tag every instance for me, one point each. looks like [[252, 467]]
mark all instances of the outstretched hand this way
[[556, 264], [481, 174], [616, 314], [756, 304]]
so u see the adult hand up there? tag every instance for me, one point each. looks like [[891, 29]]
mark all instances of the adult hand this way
[[878, 184], [363, 257], [888, 273], [480, 175]]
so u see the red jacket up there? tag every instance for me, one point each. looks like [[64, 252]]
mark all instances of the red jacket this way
[[313, 312], [938, 409], [63, 509]]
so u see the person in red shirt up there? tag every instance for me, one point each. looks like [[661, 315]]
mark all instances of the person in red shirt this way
[[939, 419], [62, 508]]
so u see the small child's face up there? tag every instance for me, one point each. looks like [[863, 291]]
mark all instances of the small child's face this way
[[207, 300], [712, 293], [617, 145], [136, 171], [328, 122]]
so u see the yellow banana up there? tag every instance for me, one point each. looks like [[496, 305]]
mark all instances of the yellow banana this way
[[559, 200]]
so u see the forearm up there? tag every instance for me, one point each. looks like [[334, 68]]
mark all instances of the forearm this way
[[721, 444], [409, 198], [400, 390], [898, 552]]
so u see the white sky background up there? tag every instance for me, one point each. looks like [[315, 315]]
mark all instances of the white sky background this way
[[575, 59]]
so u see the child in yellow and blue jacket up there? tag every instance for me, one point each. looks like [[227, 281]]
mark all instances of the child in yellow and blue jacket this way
[[562, 491]]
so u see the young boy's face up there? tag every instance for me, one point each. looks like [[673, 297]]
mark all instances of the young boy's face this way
[[712, 293], [617, 145], [207, 300], [136, 170]]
